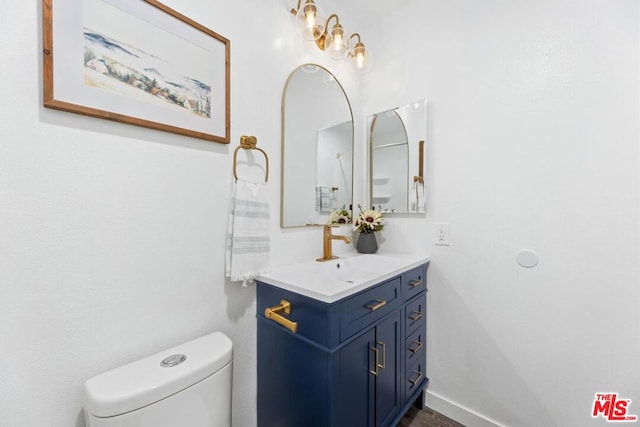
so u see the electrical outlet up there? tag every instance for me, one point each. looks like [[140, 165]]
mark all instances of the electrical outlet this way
[[442, 234]]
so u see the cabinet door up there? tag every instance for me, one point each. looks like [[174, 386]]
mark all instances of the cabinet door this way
[[354, 393], [388, 392], [293, 386]]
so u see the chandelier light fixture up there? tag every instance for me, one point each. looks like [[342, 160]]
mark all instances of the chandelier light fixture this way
[[330, 36]]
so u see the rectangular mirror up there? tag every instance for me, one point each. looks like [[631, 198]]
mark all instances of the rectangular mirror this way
[[397, 140]]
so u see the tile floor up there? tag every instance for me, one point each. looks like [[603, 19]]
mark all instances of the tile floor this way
[[427, 418]]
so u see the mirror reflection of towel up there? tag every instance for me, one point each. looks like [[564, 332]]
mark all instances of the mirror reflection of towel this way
[[325, 199], [420, 203], [248, 238]]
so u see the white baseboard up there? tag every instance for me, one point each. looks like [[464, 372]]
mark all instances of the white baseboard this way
[[456, 412]]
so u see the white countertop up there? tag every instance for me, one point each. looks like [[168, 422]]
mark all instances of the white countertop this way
[[333, 280]]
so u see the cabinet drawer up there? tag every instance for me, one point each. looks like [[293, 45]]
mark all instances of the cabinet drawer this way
[[414, 281], [415, 377], [415, 345], [415, 314], [363, 309]]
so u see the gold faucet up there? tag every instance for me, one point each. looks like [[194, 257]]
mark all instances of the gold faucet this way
[[327, 237]]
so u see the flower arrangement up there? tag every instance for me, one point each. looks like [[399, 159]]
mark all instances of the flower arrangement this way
[[340, 216], [369, 221]]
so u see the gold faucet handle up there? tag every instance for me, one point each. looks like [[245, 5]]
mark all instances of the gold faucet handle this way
[[327, 227]]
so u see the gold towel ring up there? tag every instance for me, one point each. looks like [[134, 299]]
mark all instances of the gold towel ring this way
[[249, 143]]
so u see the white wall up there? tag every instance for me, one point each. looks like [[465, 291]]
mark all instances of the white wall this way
[[532, 143], [112, 236]]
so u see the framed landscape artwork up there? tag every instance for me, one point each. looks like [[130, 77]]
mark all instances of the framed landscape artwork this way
[[137, 62]]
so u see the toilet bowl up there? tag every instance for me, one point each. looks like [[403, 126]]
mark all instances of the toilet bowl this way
[[187, 385]]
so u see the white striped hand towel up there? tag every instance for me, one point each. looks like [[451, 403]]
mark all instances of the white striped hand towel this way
[[248, 237], [325, 199]]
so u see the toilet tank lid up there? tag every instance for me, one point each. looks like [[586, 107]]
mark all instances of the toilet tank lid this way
[[145, 381]]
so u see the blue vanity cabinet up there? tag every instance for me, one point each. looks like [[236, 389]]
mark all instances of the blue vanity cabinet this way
[[355, 362]]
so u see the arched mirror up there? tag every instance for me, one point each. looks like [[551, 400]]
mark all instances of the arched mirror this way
[[389, 162], [317, 148], [397, 140]]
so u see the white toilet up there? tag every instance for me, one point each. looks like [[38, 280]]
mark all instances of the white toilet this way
[[187, 385]]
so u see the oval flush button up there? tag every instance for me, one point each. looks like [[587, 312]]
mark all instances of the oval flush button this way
[[173, 360], [527, 258]]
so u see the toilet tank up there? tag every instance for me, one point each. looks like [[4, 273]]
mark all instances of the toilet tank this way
[[187, 385]]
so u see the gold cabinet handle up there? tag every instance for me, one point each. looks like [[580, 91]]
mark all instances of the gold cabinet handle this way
[[376, 364], [415, 283], [373, 306], [273, 313], [416, 348], [384, 354], [418, 378], [416, 315]]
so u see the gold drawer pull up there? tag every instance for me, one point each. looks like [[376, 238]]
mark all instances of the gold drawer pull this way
[[376, 364], [379, 303], [416, 315], [418, 346], [418, 378], [273, 313], [415, 283]]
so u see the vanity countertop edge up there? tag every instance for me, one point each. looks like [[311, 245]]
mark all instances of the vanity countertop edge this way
[[407, 262]]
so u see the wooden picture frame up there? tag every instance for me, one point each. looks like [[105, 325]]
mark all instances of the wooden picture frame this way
[[137, 62]]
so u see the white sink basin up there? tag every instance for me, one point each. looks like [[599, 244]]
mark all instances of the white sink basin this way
[[332, 280]]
